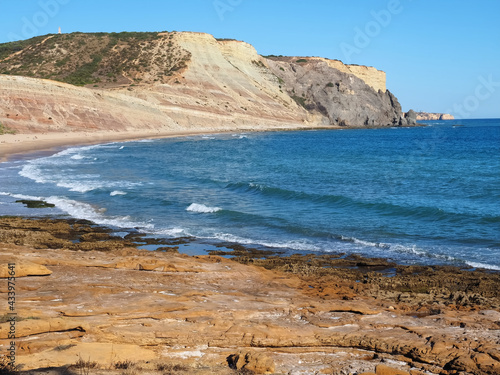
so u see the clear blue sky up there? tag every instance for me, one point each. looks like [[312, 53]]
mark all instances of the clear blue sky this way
[[439, 55]]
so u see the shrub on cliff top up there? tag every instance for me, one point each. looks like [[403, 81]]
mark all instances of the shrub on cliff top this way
[[6, 130]]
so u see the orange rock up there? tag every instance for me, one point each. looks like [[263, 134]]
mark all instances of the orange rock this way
[[259, 363], [386, 370], [23, 268], [31, 327]]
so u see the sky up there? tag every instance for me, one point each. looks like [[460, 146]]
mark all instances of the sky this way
[[439, 55]]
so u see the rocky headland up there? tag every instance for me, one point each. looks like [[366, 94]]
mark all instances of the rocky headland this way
[[424, 116], [89, 302], [154, 84]]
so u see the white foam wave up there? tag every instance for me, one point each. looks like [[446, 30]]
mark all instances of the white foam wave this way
[[78, 183], [483, 265], [172, 232], [240, 136], [81, 187], [201, 208], [117, 192], [21, 196], [365, 243], [33, 168], [32, 172], [294, 244], [81, 210]]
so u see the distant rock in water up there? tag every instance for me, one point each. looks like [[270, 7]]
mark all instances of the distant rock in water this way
[[434, 116]]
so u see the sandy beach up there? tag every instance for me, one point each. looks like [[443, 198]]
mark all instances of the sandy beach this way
[[12, 145]]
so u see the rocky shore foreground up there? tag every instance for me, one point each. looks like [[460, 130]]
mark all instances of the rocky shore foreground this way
[[91, 303]]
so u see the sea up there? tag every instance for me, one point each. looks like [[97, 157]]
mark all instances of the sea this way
[[427, 195]]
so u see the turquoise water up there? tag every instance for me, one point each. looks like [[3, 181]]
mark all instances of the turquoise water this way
[[426, 195]]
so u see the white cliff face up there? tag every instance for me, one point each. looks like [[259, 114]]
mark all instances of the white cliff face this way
[[434, 116]]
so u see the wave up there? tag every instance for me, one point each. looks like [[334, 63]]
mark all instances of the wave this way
[[302, 245], [82, 183], [483, 265], [365, 243], [172, 232], [81, 210], [32, 172], [117, 192], [21, 196], [201, 208], [387, 209]]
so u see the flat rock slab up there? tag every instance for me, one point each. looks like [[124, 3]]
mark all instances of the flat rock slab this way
[[140, 306]]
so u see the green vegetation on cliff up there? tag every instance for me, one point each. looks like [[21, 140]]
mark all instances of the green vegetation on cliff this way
[[6, 130], [107, 59]]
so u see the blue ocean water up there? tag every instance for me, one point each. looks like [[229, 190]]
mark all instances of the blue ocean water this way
[[422, 195]]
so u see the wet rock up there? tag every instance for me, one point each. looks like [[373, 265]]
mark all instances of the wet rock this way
[[411, 117], [35, 204]]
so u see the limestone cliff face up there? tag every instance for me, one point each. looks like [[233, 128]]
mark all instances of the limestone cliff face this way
[[434, 116], [372, 77], [224, 85], [342, 99]]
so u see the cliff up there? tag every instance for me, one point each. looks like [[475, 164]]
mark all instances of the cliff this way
[[339, 97], [434, 116], [180, 81]]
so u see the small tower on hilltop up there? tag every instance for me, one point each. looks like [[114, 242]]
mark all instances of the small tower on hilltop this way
[[59, 30]]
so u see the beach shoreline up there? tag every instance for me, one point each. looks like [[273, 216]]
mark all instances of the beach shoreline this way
[[16, 145]]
